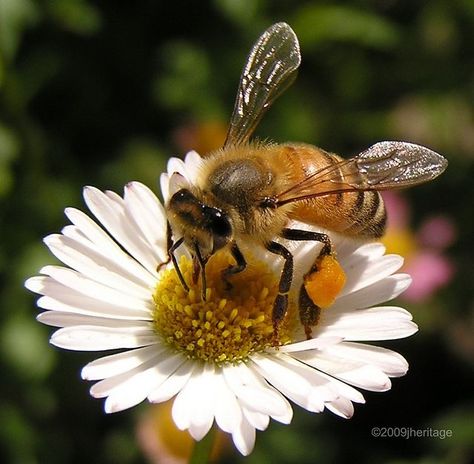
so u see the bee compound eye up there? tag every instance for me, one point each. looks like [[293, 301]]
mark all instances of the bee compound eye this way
[[219, 226]]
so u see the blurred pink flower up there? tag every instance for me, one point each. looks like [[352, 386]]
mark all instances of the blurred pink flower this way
[[423, 250]]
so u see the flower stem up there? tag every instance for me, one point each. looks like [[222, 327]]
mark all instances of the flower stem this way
[[202, 449]]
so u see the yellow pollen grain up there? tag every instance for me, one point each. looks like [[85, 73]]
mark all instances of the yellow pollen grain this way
[[230, 324]]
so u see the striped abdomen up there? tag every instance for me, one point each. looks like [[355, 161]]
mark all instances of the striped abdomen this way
[[358, 213]]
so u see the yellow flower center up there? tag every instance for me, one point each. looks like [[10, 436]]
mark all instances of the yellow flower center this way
[[232, 323]]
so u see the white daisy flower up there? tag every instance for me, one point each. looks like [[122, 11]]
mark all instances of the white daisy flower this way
[[217, 358]]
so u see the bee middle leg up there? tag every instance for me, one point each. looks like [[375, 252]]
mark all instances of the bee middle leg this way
[[280, 306], [240, 266], [309, 312]]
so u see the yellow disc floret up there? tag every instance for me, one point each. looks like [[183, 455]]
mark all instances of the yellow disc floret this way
[[231, 323]]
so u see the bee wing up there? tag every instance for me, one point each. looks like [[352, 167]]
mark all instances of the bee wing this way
[[271, 67], [383, 166]]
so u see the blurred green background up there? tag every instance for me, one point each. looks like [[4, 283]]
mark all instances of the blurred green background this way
[[103, 92]]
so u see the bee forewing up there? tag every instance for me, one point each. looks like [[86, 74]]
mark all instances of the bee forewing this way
[[269, 70], [388, 165]]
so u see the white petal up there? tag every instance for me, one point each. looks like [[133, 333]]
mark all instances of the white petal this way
[[130, 388], [93, 262], [93, 308], [103, 244], [149, 216], [244, 437], [228, 412], [69, 319], [177, 182], [390, 362], [348, 370], [256, 419], [299, 382], [193, 164], [109, 209], [116, 364], [365, 273], [110, 294], [255, 394], [173, 384], [68, 300], [354, 254], [192, 408], [344, 390], [203, 407], [93, 338], [176, 165], [380, 323], [312, 344], [164, 186], [379, 292], [342, 407]]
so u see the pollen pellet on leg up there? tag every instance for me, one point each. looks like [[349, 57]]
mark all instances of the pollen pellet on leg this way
[[326, 282]]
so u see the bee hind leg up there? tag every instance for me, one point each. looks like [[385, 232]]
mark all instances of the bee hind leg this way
[[308, 235], [309, 312]]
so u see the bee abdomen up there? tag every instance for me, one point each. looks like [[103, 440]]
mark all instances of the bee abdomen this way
[[368, 215]]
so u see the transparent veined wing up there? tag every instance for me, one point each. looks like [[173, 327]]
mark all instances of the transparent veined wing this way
[[383, 166], [271, 67]]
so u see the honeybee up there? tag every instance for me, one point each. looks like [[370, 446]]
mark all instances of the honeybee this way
[[249, 192]]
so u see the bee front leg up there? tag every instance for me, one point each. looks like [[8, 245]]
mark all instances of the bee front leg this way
[[171, 255], [280, 306], [200, 268], [169, 246], [240, 265]]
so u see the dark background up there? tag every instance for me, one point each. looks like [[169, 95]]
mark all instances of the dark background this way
[[104, 92]]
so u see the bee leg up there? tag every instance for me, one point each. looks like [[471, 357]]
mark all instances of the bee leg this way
[[309, 312], [240, 265], [169, 245], [201, 265], [308, 235], [171, 255], [280, 306]]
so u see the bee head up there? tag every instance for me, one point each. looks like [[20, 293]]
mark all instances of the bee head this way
[[205, 229]]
